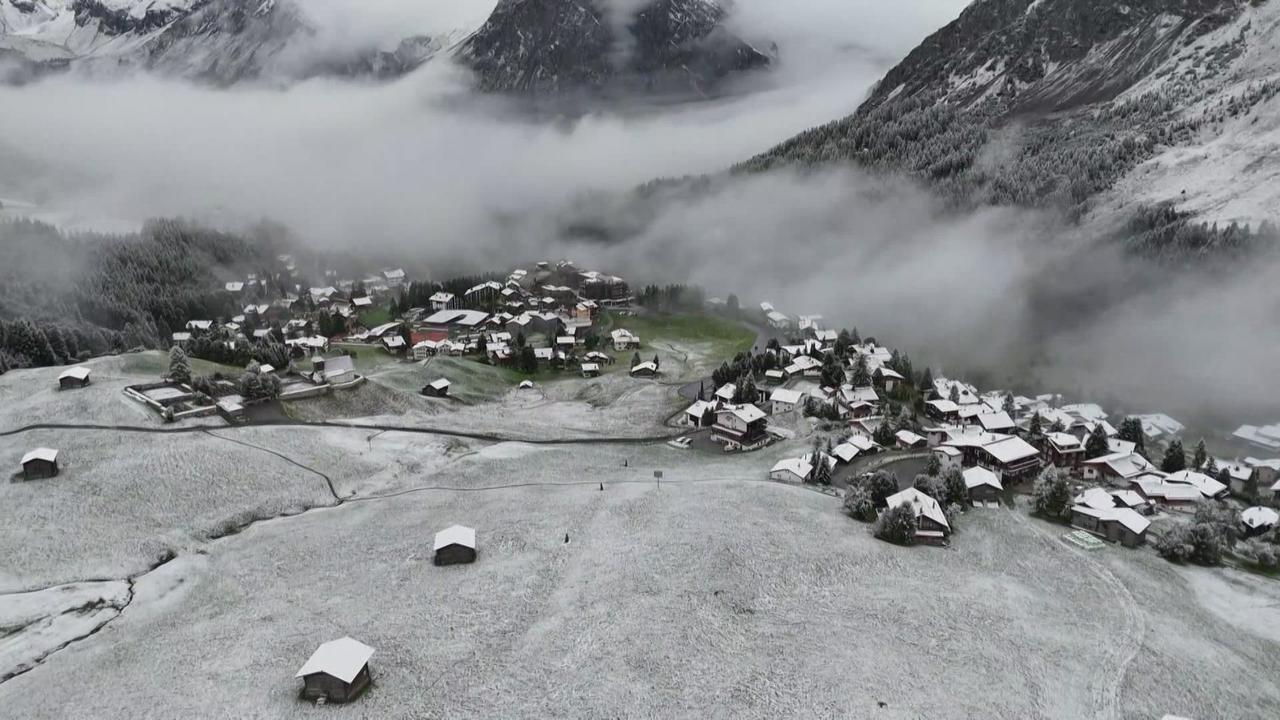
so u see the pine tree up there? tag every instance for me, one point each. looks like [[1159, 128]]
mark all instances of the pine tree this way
[[179, 365], [635, 359], [1035, 428], [934, 466], [1175, 458], [926, 381], [1096, 444], [861, 376], [1131, 430], [1010, 407], [1201, 455]]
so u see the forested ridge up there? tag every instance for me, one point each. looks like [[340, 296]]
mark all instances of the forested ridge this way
[[66, 297]]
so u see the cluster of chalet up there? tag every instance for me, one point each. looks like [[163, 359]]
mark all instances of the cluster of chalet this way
[[338, 670]]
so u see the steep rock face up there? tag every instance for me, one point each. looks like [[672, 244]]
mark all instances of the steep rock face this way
[[1055, 103], [548, 47], [220, 42]]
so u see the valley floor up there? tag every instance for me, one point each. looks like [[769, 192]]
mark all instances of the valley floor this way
[[718, 594]]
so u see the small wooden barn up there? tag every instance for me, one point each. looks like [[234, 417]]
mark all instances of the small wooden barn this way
[[337, 671], [455, 545], [76, 377], [40, 463], [984, 486], [437, 388]]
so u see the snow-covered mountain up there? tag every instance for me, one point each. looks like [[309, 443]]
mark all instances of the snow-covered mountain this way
[[216, 41], [550, 47], [1088, 105]]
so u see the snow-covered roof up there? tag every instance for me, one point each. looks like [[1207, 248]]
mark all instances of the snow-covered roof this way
[[342, 658], [1206, 485], [1155, 487], [1096, 498], [745, 413], [338, 366], [78, 372], [590, 367], [1126, 517], [1257, 518], [978, 476], [624, 335], [465, 318], [1065, 441], [996, 421], [646, 366], [943, 406], [908, 438], [1266, 436], [845, 451], [393, 342], [948, 451], [1010, 449], [363, 301], [922, 505], [784, 395], [806, 362], [41, 453], [793, 465], [440, 384], [1155, 425], [456, 535], [396, 274], [1123, 464], [727, 391], [234, 286], [885, 372], [441, 297]]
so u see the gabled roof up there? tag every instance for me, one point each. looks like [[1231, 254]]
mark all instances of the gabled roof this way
[[42, 453], [1095, 498], [1126, 517], [996, 421], [1010, 449], [783, 395], [727, 391], [456, 535], [908, 437], [845, 452], [922, 505], [78, 372], [1065, 442], [342, 658], [1205, 484], [979, 476], [440, 384], [646, 366], [793, 465], [1123, 464]]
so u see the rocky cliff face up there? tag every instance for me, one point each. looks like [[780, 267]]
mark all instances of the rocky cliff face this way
[[551, 47], [221, 42]]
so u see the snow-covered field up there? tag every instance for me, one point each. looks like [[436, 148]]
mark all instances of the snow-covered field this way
[[717, 594]]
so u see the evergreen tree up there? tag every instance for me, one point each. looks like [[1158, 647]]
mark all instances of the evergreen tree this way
[[1035, 428], [934, 467], [954, 395], [528, 360], [1052, 494], [1175, 458], [1201, 455], [957, 491], [1096, 444], [861, 376], [635, 359], [179, 365], [1010, 406], [926, 381], [1131, 430]]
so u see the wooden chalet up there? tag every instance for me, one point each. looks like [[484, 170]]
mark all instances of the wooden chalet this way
[[338, 671], [76, 377], [39, 464], [740, 427], [455, 545]]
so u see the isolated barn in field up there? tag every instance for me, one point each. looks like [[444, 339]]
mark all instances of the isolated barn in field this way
[[40, 463], [338, 671], [791, 470], [1121, 525], [437, 388], [644, 369], [1257, 520], [454, 545], [931, 521], [75, 377]]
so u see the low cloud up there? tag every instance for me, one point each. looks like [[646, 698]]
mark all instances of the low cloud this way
[[423, 167]]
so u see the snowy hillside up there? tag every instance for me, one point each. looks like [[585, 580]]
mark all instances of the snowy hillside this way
[[1084, 105], [217, 41]]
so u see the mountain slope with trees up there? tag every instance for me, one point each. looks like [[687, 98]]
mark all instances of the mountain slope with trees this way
[[1051, 103]]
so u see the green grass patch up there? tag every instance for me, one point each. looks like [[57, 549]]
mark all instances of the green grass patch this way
[[367, 358], [156, 362], [723, 338], [378, 315]]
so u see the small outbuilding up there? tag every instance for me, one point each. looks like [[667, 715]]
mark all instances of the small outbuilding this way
[[76, 377], [984, 486], [40, 463], [644, 369], [338, 671], [1257, 520], [454, 545], [437, 388]]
